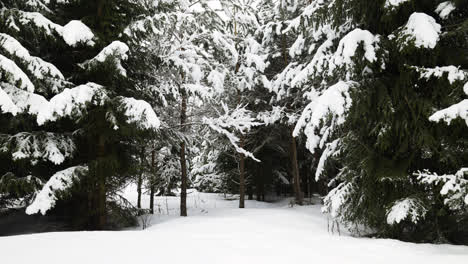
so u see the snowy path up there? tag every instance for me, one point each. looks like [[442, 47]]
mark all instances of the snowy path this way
[[220, 233]]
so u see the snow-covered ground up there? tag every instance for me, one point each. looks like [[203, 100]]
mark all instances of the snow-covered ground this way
[[218, 232]]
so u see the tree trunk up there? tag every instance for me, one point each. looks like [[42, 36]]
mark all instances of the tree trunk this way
[[152, 187], [183, 163], [140, 177], [241, 175], [295, 170], [101, 197], [140, 183]]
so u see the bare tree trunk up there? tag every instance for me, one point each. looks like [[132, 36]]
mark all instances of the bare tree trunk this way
[[295, 170], [101, 197], [153, 168], [140, 183], [183, 163], [140, 177], [241, 175]]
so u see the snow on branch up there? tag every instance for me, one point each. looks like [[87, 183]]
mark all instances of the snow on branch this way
[[138, 112], [239, 120], [331, 149], [453, 73], [38, 67], [117, 49], [6, 104], [330, 104], [60, 181], [421, 30], [335, 201], [73, 33], [38, 146], [349, 44], [25, 101], [454, 187], [72, 102], [13, 74], [444, 9], [452, 112], [409, 208], [392, 4]]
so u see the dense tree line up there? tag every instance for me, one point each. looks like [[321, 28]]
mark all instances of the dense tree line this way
[[360, 101]]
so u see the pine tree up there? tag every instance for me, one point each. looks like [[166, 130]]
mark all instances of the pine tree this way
[[98, 121], [382, 77]]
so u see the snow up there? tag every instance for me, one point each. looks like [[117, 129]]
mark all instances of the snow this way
[[14, 74], [454, 111], [329, 151], [422, 29], [36, 66], [7, 106], [45, 199], [39, 20], [71, 102], [444, 9], [348, 46], [39, 146], [139, 112], [76, 32], [335, 100], [239, 119], [405, 209], [218, 232], [394, 3], [213, 5], [72, 33], [216, 79], [297, 47], [454, 186], [271, 117], [453, 73], [26, 101], [117, 49]]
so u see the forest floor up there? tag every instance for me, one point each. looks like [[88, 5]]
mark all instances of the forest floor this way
[[216, 231]]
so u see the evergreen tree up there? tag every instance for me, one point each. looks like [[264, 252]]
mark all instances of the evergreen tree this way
[[384, 68], [97, 122]]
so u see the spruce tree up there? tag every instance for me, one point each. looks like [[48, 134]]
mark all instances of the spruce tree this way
[[101, 119]]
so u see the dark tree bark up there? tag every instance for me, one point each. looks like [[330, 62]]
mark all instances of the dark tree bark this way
[[183, 163], [140, 177], [101, 197], [241, 175], [152, 187], [140, 183], [295, 170]]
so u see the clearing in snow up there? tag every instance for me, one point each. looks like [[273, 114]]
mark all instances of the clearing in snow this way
[[218, 232]]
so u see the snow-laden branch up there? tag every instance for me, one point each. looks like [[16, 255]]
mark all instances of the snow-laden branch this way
[[409, 208], [138, 112], [421, 30], [332, 103], [239, 120], [72, 102], [46, 198], [38, 67], [454, 187], [38, 146], [6, 104], [459, 110], [13, 74], [73, 33], [117, 50]]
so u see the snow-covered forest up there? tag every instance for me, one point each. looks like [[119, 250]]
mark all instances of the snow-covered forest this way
[[347, 119]]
